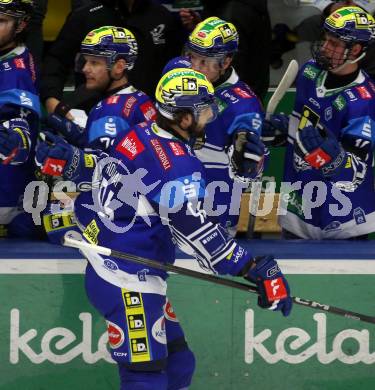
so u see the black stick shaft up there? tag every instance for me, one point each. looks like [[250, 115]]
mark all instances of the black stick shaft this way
[[68, 241]]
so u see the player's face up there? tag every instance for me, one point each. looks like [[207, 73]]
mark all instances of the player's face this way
[[7, 30], [210, 67], [96, 72], [334, 50]]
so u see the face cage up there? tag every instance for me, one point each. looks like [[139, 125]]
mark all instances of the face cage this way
[[15, 14], [330, 63], [219, 57], [199, 109], [169, 111]]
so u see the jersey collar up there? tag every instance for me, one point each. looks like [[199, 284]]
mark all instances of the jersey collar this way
[[232, 79], [18, 50], [161, 132], [322, 91]]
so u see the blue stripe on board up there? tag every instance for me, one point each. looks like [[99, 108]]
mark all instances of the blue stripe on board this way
[[288, 249]]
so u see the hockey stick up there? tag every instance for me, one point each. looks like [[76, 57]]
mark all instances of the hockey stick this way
[[285, 83], [72, 242], [256, 187]]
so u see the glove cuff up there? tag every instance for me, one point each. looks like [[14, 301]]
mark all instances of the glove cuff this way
[[62, 109]]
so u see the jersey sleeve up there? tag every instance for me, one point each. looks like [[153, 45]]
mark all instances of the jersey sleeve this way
[[358, 140], [246, 111], [180, 205]]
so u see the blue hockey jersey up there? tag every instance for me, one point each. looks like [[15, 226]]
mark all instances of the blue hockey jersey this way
[[106, 120], [18, 99], [239, 109], [150, 194], [343, 207], [116, 113]]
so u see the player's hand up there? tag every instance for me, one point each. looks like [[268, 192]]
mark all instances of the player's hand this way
[[247, 155], [275, 130], [15, 142], [72, 132], [274, 292], [322, 152], [55, 157]]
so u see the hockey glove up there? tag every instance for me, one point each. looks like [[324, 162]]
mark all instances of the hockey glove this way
[[275, 130], [320, 152], [56, 157], [274, 293], [72, 132], [15, 141], [247, 156]]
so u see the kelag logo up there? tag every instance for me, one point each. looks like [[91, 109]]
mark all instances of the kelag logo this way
[[293, 345], [56, 339], [273, 348]]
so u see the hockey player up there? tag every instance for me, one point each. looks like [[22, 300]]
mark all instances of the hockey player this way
[[232, 152], [150, 195], [105, 57], [330, 136], [19, 111]]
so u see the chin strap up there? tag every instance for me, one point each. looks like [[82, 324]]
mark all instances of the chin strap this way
[[346, 62]]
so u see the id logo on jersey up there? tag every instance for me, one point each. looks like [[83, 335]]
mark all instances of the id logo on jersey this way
[[130, 146], [136, 322], [139, 346], [132, 299], [308, 116], [56, 221]]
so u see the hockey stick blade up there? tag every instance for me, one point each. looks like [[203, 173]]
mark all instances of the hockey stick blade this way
[[285, 83], [72, 240]]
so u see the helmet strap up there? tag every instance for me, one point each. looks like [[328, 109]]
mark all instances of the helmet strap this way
[[347, 61]]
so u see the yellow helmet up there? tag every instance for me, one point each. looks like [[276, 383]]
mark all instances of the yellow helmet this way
[[351, 25], [112, 43], [213, 37], [184, 88]]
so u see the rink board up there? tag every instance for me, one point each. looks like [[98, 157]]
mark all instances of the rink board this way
[[52, 338]]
